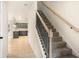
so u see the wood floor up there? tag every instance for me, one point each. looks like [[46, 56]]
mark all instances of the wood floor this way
[[20, 48]]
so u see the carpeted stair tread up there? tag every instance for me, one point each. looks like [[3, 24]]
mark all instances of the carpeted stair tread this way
[[61, 52], [68, 56], [58, 44]]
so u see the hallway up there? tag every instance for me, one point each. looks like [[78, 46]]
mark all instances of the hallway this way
[[20, 48]]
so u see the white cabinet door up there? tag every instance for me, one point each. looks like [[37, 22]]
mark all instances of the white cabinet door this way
[[3, 29]]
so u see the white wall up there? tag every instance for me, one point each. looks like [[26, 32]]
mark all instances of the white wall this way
[[19, 10], [4, 29], [33, 35], [70, 11]]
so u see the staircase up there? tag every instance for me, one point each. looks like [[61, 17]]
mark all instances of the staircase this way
[[59, 47]]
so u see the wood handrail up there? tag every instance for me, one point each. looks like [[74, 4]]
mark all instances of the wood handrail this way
[[54, 12], [42, 22]]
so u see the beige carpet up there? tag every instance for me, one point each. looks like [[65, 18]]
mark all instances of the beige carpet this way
[[20, 48]]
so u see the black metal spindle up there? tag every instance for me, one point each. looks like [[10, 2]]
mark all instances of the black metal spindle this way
[[43, 35]]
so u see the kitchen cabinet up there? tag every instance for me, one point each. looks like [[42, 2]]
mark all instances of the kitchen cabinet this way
[[16, 34], [22, 33]]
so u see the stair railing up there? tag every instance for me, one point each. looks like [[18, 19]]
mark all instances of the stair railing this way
[[50, 34], [43, 22]]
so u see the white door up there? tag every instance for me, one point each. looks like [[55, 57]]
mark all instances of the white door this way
[[3, 29]]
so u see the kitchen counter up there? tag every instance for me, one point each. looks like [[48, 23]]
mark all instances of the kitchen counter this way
[[20, 29]]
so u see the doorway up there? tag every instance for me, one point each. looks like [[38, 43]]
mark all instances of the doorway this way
[[18, 42]]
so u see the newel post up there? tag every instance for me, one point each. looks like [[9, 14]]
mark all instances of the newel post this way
[[50, 42]]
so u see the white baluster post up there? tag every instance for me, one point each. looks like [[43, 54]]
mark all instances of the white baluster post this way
[[50, 43]]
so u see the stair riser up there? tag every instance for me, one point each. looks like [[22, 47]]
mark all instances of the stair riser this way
[[55, 34], [48, 24], [60, 45], [57, 39], [53, 30], [50, 27]]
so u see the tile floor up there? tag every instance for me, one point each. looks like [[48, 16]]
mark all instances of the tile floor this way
[[20, 48]]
